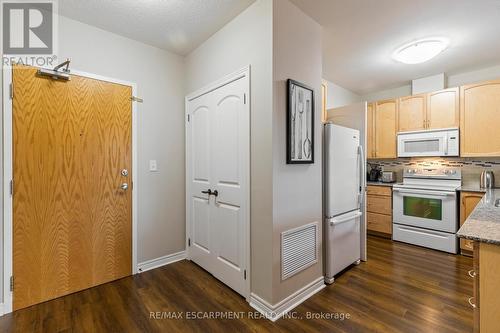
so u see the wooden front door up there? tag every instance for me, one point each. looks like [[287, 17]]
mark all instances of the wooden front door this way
[[72, 223]]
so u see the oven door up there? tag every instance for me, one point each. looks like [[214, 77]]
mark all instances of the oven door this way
[[436, 210]]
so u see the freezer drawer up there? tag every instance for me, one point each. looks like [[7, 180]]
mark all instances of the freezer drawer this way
[[343, 239], [428, 238]]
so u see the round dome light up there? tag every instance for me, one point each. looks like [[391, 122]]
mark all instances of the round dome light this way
[[421, 50]]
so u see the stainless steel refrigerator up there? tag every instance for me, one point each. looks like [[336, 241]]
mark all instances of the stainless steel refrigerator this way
[[344, 195]]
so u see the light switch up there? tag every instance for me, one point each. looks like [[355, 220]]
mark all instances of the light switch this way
[[153, 166]]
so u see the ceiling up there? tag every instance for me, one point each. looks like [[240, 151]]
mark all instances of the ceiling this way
[[360, 36], [178, 26]]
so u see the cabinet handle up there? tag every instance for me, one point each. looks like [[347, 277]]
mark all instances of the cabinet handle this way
[[470, 302], [472, 274]]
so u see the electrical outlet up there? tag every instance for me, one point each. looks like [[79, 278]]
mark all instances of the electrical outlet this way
[[153, 166]]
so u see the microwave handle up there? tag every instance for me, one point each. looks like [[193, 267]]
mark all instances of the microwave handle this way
[[447, 145]]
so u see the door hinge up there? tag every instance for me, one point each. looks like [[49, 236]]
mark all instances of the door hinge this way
[[136, 99], [11, 187], [244, 98], [189, 118], [12, 91], [11, 283], [245, 274], [189, 241]]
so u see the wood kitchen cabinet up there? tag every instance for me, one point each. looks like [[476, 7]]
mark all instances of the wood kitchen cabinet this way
[[468, 201], [370, 131], [479, 114], [386, 120], [443, 109], [435, 110], [379, 210], [486, 275], [413, 113]]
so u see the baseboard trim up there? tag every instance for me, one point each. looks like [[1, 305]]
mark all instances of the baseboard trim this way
[[161, 261], [276, 311]]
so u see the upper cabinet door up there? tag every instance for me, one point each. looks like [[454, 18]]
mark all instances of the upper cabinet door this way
[[443, 109], [370, 132], [412, 113], [479, 114], [386, 119]]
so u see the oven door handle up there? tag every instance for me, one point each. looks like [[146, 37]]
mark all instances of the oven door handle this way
[[438, 194]]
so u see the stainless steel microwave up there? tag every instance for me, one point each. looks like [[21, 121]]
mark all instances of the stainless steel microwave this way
[[443, 142]]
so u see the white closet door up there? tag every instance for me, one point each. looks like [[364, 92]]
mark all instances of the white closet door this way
[[219, 160], [200, 179]]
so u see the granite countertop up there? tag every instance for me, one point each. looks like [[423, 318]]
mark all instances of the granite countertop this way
[[379, 183], [483, 223], [471, 188]]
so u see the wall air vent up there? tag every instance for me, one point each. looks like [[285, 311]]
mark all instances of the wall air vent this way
[[299, 249]]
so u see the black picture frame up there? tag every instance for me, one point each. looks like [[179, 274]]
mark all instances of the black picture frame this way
[[299, 146]]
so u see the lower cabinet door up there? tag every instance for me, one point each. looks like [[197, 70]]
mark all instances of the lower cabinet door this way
[[379, 222]]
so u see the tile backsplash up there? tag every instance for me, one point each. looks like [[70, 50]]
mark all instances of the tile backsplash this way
[[471, 167]]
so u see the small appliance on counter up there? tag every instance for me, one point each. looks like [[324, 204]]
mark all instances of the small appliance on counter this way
[[388, 177], [375, 174], [487, 179]]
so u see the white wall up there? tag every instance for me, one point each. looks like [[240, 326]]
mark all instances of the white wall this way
[[297, 188], [389, 93], [338, 96], [488, 73], [159, 76], [247, 40]]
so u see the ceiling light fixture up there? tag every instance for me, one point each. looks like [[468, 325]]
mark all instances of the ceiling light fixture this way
[[421, 50]]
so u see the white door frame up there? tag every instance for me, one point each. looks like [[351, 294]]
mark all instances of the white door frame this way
[[8, 175], [242, 73]]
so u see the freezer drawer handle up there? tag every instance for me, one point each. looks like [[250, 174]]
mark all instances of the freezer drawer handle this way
[[345, 219]]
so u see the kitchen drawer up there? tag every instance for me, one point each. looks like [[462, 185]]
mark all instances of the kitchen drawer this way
[[378, 204], [379, 190], [423, 237], [379, 222]]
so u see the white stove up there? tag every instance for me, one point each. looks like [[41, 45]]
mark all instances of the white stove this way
[[425, 208]]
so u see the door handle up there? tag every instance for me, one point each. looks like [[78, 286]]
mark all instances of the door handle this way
[[124, 186], [215, 193], [473, 305], [209, 192]]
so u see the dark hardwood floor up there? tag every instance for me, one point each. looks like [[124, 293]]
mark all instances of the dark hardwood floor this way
[[401, 288]]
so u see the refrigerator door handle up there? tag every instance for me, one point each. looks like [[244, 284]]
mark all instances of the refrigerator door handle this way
[[362, 170], [336, 221]]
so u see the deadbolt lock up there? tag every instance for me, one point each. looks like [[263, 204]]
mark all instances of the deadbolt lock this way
[[124, 172]]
